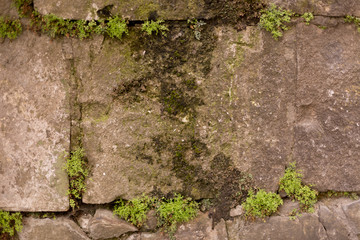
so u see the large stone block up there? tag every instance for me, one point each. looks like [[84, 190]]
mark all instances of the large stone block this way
[[305, 227], [8, 9], [132, 122], [34, 125], [249, 105], [321, 7], [327, 129], [51, 229], [133, 10]]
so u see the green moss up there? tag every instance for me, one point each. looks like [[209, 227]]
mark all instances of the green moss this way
[[10, 28], [261, 204], [10, 223], [116, 27], [335, 194], [291, 183], [352, 19], [76, 168], [170, 212], [273, 20], [175, 211], [135, 210], [156, 27], [308, 16]]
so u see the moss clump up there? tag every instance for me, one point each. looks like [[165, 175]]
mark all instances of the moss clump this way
[[10, 223], [56, 27], [352, 19], [116, 27], [10, 29], [156, 27], [135, 210], [292, 185], [170, 212], [76, 168], [261, 204], [308, 16], [175, 211], [273, 20]]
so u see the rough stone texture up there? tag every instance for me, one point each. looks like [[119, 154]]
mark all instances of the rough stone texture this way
[[7, 9], [237, 211], [335, 228], [123, 114], [34, 125], [352, 212], [83, 220], [133, 10], [49, 229], [151, 221], [105, 225], [198, 229], [305, 227], [327, 130], [321, 7], [249, 114]]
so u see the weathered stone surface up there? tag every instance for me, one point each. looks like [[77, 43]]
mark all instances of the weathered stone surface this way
[[105, 225], [49, 229], [8, 9], [201, 228], [304, 227], [129, 138], [352, 212], [34, 124], [237, 211], [135, 236], [327, 132], [133, 10], [321, 7], [84, 220], [335, 227], [198, 229], [151, 221], [249, 114]]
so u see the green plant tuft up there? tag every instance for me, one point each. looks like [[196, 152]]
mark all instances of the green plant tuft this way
[[116, 27], [292, 185], [154, 26], [196, 26], [308, 16], [352, 19], [273, 20], [76, 168], [10, 222], [135, 210], [176, 211], [261, 204], [10, 29]]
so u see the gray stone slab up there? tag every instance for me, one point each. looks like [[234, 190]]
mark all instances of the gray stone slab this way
[[34, 125], [352, 211], [105, 225], [51, 229], [8, 9], [249, 109], [335, 227], [278, 228], [321, 7], [133, 10], [327, 132]]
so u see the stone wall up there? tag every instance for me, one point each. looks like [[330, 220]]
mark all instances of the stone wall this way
[[174, 114]]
